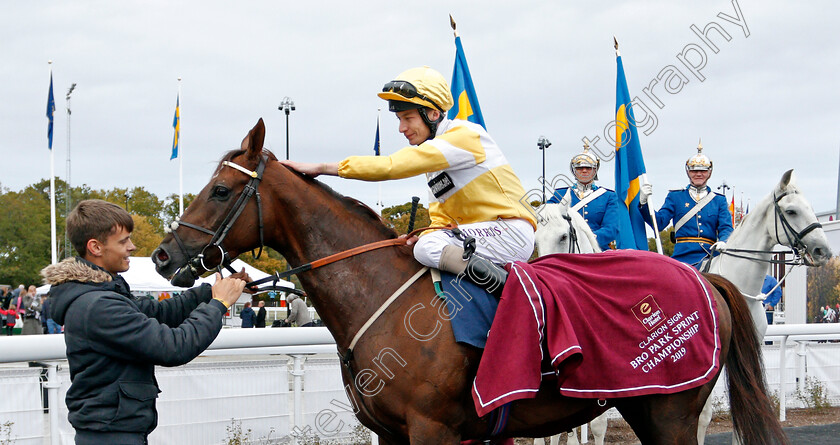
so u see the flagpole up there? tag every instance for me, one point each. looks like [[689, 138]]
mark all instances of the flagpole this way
[[379, 183], [52, 185], [180, 157]]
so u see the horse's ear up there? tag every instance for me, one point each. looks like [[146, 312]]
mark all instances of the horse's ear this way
[[787, 179], [253, 143]]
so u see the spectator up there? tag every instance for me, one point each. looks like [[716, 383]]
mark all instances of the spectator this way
[[114, 340], [31, 312], [247, 315], [11, 319], [261, 313], [298, 312]]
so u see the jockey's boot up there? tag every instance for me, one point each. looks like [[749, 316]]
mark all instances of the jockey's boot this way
[[477, 269]]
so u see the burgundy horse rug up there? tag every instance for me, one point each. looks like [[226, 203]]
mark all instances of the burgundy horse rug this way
[[608, 325]]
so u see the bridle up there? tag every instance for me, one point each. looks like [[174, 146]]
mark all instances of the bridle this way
[[573, 238], [793, 237], [218, 237]]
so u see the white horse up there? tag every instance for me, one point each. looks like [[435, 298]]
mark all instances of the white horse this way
[[562, 231], [783, 217]]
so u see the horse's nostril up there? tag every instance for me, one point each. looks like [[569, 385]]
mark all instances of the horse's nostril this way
[[162, 255]]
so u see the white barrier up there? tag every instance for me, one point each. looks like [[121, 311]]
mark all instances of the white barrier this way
[[244, 390]]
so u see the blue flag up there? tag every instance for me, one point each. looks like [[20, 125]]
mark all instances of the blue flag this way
[[50, 111], [176, 124], [629, 166], [463, 91], [376, 141]]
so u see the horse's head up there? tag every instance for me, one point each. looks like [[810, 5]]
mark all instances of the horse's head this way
[[223, 221], [795, 225], [562, 231]]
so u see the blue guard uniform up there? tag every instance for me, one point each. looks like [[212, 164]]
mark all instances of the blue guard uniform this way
[[712, 223], [601, 213]]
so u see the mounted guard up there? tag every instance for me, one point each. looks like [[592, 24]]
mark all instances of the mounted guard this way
[[597, 205], [702, 222]]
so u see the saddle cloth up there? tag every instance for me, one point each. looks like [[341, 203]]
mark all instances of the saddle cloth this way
[[614, 324]]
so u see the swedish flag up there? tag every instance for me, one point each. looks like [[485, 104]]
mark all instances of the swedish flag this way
[[376, 141], [629, 167], [176, 124], [463, 91]]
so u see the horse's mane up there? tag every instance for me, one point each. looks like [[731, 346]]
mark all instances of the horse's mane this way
[[352, 205]]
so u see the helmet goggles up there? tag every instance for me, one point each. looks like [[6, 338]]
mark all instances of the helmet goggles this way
[[408, 91]]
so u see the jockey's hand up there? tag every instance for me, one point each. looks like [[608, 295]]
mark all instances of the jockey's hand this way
[[311, 169], [408, 241], [719, 246], [644, 193], [242, 275]]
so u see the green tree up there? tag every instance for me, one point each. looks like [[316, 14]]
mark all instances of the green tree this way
[[823, 287], [667, 245], [24, 235], [171, 206], [144, 236], [397, 217]]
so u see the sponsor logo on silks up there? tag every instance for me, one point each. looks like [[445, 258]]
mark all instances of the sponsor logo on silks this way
[[648, 312], [441, 184]]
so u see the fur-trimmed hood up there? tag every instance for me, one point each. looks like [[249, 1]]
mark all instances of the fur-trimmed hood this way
[[72, 278], [74, 269]]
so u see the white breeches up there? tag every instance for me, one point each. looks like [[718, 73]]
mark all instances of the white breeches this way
[[501, 241]]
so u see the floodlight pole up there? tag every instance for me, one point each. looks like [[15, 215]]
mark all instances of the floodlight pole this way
[[543, 143], [68, 193], [287, 105]]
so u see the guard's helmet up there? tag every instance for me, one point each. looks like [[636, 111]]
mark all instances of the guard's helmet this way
[[418, 88], [585, 159], [698, 161]]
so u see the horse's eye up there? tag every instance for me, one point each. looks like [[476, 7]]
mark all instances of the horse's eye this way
[[790, 212], [564, 237], [221, 192]]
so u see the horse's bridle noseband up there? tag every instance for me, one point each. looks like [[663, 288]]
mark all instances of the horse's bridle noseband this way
[[219, 235]]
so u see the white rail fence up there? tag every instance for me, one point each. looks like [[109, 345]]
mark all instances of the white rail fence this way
[[275, 391]]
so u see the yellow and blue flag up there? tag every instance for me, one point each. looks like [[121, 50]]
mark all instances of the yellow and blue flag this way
[[50, 111], [629, 167], [463, 91], [376, 141], [176, 124]]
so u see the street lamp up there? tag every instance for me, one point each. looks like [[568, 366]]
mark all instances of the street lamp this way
[[287, 105], [543, 143]]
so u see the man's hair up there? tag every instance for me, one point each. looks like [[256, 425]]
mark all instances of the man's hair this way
[[95, 219]]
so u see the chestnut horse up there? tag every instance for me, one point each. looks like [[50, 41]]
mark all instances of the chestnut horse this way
[[408, 379]]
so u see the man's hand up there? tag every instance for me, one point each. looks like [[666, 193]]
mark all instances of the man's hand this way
[[409, 241], [227, 289], [645, 191], [242, 275], [719, 246], [311, 169]]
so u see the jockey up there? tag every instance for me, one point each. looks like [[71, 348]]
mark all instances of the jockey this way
[[597, 205], [471, 183], [702, 222]]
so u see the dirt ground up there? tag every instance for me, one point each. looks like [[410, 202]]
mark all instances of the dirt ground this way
[[619, 432]]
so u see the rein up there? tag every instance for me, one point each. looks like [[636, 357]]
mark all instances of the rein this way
[[573, 239]]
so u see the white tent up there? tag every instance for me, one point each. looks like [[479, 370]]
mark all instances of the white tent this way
[[142, 277]]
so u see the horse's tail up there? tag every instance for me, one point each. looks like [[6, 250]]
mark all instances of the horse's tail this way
[[753, 416]]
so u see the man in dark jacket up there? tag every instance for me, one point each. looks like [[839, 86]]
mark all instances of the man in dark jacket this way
[[261, 313], [115, 340]]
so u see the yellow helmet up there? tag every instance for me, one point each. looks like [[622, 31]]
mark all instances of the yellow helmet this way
[[698, 161], [422, 87]]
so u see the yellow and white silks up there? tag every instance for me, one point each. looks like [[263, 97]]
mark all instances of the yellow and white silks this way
[[471, 185]]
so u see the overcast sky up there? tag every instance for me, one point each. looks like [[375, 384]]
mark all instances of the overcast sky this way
[[768, 100]]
